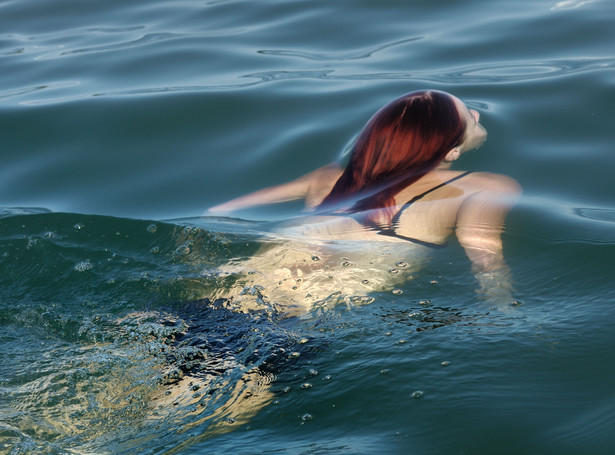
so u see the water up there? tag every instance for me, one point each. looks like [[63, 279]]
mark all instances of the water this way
[[122, 122]]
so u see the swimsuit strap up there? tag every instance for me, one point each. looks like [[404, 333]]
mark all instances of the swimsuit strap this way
[[390, 231]]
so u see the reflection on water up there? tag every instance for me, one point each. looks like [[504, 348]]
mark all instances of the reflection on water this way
[[111, 336]]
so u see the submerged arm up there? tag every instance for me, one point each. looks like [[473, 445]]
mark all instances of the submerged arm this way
[[479, 227]]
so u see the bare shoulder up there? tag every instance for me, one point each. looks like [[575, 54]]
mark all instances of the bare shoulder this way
[[495, 183], [325, 173], [320, 183]]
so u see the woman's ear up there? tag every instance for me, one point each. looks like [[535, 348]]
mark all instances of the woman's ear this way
[[453, 154]]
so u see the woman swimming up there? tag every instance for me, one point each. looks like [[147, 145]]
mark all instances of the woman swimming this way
[[369, 225], [398, 189]]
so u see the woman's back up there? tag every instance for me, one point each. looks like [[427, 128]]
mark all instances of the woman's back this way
[[396, 195], [426, 210]]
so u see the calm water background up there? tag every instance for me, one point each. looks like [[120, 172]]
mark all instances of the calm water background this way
[[120, 122]]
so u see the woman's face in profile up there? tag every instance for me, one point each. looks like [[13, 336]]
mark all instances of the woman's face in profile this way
[[475, 133]]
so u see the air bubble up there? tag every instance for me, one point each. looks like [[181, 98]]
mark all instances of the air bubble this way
[[155, 250], [79, 226], [397, 291], [417, 394], [402, 264], [315, 258], [394, 271], [314, 372], [365, 281], [345, 264], [152, 228], [306, 386], [183, 250], [361, 299], [306, 417], [445, 363], [424, 302], [83, 266]]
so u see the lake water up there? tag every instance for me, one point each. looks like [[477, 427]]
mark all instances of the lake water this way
[[121, 122]]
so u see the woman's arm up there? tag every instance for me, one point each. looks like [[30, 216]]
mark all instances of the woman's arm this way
[[480, 221], [290, 191]]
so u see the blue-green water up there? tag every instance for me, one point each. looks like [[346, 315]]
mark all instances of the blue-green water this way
[[121, 122]]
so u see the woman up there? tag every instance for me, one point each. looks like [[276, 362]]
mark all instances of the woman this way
[[398, 189]]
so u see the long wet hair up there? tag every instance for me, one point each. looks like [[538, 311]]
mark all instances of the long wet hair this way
[[402, 142]]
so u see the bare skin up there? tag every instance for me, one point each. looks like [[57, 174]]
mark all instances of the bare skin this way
[[473, 208]]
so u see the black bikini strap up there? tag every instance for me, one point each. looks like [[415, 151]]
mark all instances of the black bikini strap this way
[[391, 233], [391, 230], [397, 216]]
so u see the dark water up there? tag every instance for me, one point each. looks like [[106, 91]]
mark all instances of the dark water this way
[[122, 122]]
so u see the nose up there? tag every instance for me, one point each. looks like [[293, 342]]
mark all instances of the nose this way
[[475, 114]]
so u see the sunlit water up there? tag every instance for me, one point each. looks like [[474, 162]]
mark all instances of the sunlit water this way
[[122, 122]]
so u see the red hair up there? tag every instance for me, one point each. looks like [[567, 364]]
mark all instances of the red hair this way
[[403, 141]]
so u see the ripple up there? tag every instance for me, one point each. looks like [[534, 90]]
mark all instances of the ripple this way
[[142, 41], [37, 88], [525, 71], [338, 56], [269, 76], [607, 215], [514, 72], [589, 225], [522, 71], [571, 4]]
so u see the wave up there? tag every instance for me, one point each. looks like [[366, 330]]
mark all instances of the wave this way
[[108, 344]]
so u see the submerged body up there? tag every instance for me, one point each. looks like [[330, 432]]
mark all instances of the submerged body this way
[[396, 199], [322, 259]]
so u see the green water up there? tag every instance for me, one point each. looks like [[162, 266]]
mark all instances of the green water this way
[[122, 122]]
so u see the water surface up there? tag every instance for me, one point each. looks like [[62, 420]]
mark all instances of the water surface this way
[[122, 122]]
